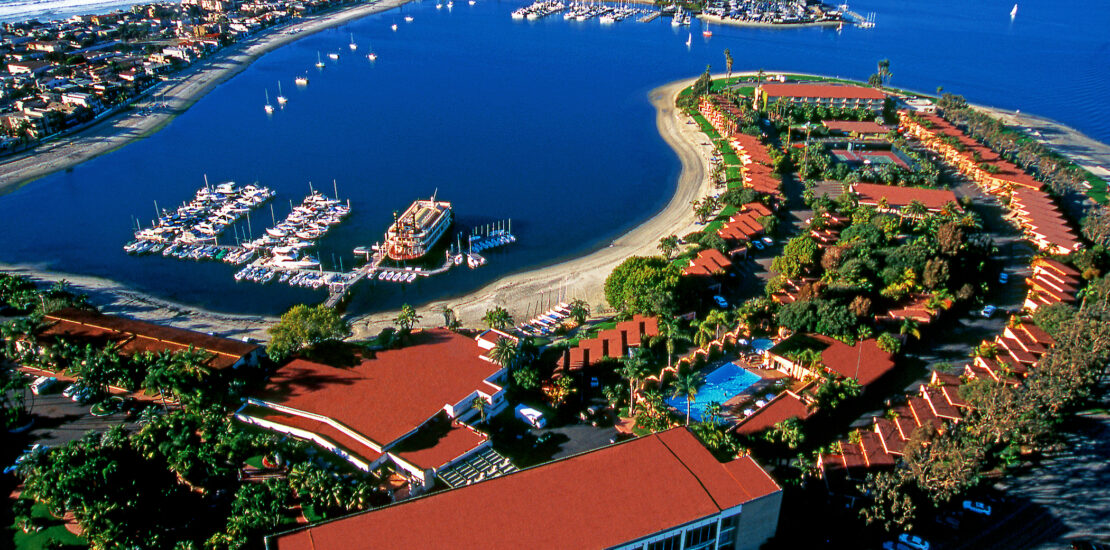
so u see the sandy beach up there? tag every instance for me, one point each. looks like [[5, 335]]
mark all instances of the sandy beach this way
[[178, 94], [522, 293]]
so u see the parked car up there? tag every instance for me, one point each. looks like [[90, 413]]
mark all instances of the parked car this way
[[1003, 278], [530, 416], [988, 312], [720, 300], [913, 541], [43, 384], [768, 241], [758, 245], [977, 507], [70, 390]]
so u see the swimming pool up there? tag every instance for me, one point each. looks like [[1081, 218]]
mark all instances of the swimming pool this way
[[722, 384]]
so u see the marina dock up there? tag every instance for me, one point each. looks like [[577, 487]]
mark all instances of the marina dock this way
[[281, 254]]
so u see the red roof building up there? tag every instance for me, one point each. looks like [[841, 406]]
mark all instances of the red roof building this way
[[708, 263], [824, 95], [897, 198], [864, 361], [784, 406], [129, 337], [661, 488], [406, 406], [856, 128], [608, 343]]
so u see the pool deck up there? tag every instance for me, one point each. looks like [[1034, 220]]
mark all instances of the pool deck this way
[[734, 407]]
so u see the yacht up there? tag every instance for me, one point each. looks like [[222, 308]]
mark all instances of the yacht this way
[[394, 27], [333, 56], [408, 19], [301, 80], [372, 56]]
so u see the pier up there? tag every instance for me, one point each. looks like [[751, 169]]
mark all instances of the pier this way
[[280, 254]]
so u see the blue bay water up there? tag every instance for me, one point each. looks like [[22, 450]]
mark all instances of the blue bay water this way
[[545, 122]]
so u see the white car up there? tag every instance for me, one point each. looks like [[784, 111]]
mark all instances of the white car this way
[[720, 300], [768, 241], [977, 507], [43, 384], [70, 391], [913, 541]]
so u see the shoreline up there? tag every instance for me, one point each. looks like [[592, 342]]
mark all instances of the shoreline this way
[[583, 277], [523, 292], [181, 91]]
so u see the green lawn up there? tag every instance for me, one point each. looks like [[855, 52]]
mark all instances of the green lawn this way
[[54, 530], [1097, 192], [727, 212]]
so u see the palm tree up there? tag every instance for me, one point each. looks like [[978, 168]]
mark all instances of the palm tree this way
[[718, 317], [579, 310], [687, 385], [498, 318], [505, 351], [633, 369], [910, 328], [916, 209], [450, 320], [479, 405], [704, 335], [670, 331], [728, 72], [407, 317]]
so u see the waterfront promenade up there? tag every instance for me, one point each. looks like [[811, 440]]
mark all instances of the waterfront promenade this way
[[167, 100]]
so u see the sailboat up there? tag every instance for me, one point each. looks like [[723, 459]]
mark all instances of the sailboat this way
[[352, 45], [689, 37], [267, 107], [372, 56], [394, 27], [280, 98], [439, 6], [319, 62], [1013, 12], [333, 56], [706, 32]]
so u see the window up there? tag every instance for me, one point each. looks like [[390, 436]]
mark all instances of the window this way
[[673, 542], [701, 537], [728, 532]]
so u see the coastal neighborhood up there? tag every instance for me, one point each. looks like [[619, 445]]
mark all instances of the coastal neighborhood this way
[[858, 315], [62, 75]]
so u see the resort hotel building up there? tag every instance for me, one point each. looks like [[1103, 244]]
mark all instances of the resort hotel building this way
[[662, 491], [834, 96], [406, 409]]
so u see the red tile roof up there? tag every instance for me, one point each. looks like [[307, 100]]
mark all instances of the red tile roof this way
[[864, 361], [391, 394], [784, 406], [437, 443], [708, 262], [821, 90], [896, 197], [853, 126], [142, 336], [593, 500]]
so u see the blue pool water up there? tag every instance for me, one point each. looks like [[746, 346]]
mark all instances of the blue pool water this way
[[547, 122], [722, 384]]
